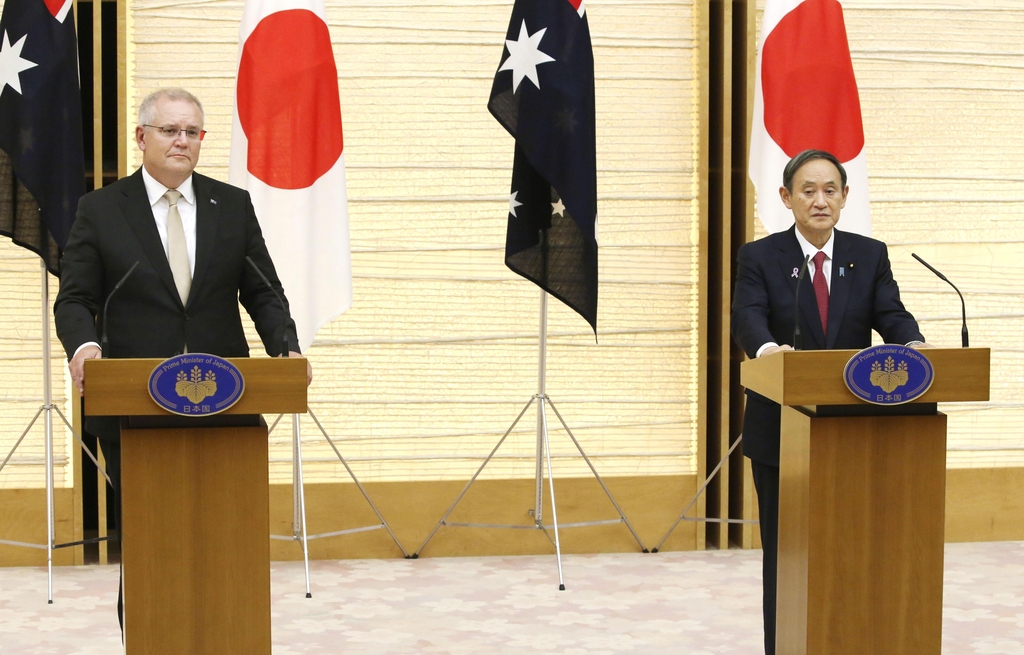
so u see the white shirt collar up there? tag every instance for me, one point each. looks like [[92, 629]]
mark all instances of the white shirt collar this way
[[810, 250], [156, 191]]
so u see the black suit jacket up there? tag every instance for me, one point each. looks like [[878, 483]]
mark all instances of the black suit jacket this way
[[863, 297], [115, 228]]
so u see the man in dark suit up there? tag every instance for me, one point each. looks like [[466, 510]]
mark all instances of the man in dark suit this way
[[851, 293], [190, 235]]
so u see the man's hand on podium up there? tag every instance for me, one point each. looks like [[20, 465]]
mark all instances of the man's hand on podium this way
[[77, 366], [309, 367], [770, 350]]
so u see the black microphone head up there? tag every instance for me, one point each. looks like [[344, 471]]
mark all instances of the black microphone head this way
[[930, 268]]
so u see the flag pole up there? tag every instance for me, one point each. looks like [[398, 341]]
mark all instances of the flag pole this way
[[542, 362], [299, 497], [543, 444], [48, 421]]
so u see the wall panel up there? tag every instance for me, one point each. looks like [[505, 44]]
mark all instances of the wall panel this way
[[439, 352]]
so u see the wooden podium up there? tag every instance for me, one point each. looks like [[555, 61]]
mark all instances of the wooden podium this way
[[195, 547], [861, 503]]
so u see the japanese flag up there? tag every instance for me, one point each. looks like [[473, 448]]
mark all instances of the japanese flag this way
[[287, 150], [805, 96]]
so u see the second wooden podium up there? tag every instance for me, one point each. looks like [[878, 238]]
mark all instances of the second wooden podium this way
[[195, 547], [861, 504]]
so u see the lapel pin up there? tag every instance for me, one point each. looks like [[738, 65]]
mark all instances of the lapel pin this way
[[850, 265], [842, 272], [212, 201], [796, 272]]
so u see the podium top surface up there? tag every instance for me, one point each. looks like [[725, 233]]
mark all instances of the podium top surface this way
[[119, 387], [815, 377]]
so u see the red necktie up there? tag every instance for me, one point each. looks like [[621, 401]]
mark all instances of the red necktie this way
[[821, 290]]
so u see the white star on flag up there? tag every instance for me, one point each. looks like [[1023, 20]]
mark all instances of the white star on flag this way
[[524, 56], [11, 63], [513, 203], [557, 208]]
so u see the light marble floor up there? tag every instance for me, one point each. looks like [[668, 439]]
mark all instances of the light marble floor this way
[[698, 603]]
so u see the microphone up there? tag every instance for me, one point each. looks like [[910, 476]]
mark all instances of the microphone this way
[[796, 303], [103, 338], [963, 305], [284, 335]]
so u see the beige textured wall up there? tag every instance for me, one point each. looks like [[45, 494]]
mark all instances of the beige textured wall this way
[[942, 93], [438, 355], [439, 352]]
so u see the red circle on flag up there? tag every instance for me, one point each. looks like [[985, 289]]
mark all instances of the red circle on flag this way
[[288, 102], [810, 93]]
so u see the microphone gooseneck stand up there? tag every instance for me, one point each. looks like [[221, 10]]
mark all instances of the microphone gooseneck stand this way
[[964, 340]]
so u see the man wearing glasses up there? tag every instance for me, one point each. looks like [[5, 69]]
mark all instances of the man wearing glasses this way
[[190, 236]]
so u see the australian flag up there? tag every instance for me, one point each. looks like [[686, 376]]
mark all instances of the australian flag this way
[[543, 94], [41, 161]]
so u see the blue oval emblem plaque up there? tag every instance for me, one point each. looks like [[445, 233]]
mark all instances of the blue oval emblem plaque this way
[[196, 384], [888, 374]]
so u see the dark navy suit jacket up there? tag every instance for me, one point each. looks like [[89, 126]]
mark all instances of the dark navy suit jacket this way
[[863, 297]]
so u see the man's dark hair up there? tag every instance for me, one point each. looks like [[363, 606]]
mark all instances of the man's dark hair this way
[[809, 155]]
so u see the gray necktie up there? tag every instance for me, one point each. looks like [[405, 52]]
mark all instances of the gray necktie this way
[[177, 251]]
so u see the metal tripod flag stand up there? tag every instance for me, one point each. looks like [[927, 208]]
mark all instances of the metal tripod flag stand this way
[[543, 457], [46, 410], [299, 498]]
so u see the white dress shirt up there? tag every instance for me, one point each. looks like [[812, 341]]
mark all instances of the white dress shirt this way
[[826, 267], [186, 208]]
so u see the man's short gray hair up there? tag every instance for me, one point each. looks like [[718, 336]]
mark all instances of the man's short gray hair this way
[[147, 110], [809, 155]]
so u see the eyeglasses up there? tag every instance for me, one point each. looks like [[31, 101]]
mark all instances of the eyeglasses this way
[[170, 132]]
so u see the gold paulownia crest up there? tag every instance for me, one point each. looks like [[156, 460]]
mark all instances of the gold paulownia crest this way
[[195, 387], [891, 377]]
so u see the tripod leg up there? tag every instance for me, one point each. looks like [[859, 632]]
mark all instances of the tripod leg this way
[[704, 486], [473, 479], [21, 438], [273, 425], [599, 480], [300, 496], [551, 485], [359, 486], [81, 443]]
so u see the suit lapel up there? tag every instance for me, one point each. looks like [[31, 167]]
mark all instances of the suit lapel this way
[[139, 215], [842, 281], [791, 258], [207, 220]]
